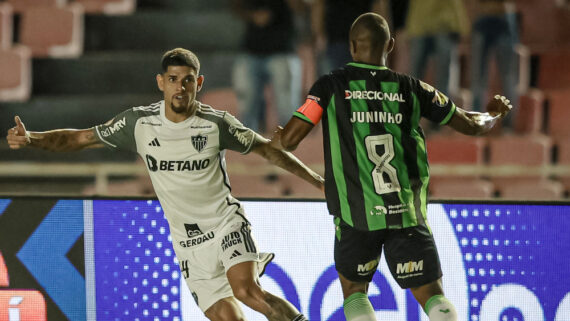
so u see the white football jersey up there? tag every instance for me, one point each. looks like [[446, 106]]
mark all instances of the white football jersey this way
[[185, 162]]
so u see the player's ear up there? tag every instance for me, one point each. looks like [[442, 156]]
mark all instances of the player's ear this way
[[390, 46], [160, 82], [199, 81]]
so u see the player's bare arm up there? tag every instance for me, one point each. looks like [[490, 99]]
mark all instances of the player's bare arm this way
[[288, 138], [286, 161], [58, 140], [475, 123]]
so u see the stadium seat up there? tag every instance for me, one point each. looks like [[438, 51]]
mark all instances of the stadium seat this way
[[542, 190], [16, 75], [461, 189], [526, 150], [55, 32], [554, 71], [533, 151], [109, 7], [295, 187], [455, 149], [23, 5], [558, 112], [6, 25], [530, 114], [223, 99]]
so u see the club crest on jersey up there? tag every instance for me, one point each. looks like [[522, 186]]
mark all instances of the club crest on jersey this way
[[192, 230], [199, 142]]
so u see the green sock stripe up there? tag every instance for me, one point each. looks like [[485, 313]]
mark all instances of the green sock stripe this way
[[357, 304], [433, 301]]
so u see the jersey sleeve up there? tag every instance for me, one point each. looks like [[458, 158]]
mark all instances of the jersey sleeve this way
[[119, 133], [317, 100], [234, 135], [434, 104]]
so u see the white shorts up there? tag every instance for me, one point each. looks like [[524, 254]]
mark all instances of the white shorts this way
[[204, 268]]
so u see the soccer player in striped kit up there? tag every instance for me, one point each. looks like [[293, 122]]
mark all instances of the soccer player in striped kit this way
[[376, 168], [183, 143]]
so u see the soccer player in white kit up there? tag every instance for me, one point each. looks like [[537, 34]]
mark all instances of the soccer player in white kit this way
[[183, 142]]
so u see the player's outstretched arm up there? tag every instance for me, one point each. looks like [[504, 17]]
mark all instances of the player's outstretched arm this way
[[475, 123], [286, 161], [59, 140], [289, 137]]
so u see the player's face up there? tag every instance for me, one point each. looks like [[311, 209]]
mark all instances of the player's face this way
[[179, 85]]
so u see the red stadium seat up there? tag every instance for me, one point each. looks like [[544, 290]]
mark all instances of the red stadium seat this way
[[526, 150], [530, 113], [533, 151], [461, 189], [16, 75], [455, 149], [559, 112], [53, 31], [554, 71], [542, 190], [109, 7], [22, 5], [6, 25]]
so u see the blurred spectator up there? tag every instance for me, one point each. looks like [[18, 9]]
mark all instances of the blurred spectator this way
[[434, 28], [269, 58], [331, 21], [494, 29]]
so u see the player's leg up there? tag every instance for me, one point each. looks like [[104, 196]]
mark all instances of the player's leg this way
[[243, 279], [413, 260], [356, 255], [243, 264], [226, 309], [430, 296], [356, 305]]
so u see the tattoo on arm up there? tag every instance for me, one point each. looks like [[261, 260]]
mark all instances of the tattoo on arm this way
[[64, 140]]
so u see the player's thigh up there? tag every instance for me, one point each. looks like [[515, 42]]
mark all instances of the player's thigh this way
[[226, 309], [204, 275], [412, 257], [357, 253]]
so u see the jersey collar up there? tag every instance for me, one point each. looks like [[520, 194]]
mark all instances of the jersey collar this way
[[361, 65]]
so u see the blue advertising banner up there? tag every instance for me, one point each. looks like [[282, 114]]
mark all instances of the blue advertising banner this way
[[65, 259], [500, 262]]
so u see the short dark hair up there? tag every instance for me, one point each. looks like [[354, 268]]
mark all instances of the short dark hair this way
[[376, 26], [180, 57]]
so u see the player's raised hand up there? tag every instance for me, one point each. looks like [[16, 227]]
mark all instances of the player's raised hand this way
[[499, 105], [17, 136]]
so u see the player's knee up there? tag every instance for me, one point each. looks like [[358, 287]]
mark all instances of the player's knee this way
[[249, 294]]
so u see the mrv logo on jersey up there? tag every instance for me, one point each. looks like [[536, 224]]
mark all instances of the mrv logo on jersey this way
[[178, 165], [118, 125], [373, 95]]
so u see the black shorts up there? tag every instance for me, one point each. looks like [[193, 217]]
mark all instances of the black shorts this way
[[411, 254]]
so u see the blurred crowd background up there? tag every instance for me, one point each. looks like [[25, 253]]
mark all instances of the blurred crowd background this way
[[77, 63]]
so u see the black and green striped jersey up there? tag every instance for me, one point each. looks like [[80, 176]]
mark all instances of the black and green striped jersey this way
[[376, 166]]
